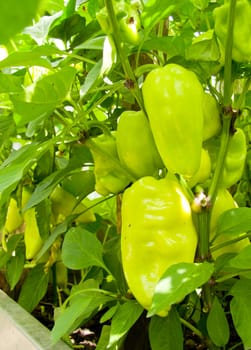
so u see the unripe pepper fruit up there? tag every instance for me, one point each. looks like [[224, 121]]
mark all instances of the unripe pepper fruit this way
[[109, 178], [173, 98], [241, 51], [157, 232], [136, 147], [223, 202]]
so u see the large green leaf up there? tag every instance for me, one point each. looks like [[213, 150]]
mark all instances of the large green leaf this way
[[166, 332], [10, 83], [81, 249], [33, 288], [178, 281], [14, 16], [15, 166]]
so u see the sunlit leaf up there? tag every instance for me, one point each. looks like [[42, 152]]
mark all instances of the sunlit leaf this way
[[14, 16], [178, 281], [124, 318], [234, 221]]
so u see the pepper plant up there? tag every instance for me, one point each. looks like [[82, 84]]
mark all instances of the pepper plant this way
[[125, 169]]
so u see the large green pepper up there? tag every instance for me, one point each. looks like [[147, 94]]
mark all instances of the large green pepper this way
[[223, 202], [241, 50], [109, 174], [136, 148], [157, 232], [173, 98]]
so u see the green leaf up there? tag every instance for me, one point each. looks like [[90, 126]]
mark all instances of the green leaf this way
[[40, 30], [242, 260], [14, 268], [217, 324], [240, 307], [33, 288], [81, 249], [91, 78], [15, 166], [83, 303], [109, 314], [68, 317], [155, 10], [50, 92], [104, 338], [24, 58], [234, 221], [124, 318], [14, 16], [7, 127], [178, 281], [10, 83], [44, 188], [93, 43], [109, 55], [204, 47], [56, 232], [174, 46], [166, 332]]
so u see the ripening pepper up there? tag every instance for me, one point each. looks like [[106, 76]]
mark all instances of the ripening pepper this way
[[157, 232], [136, 147], [211, 117], [235, 159], [64, 204], [173, 98], [32, 239], [223, 202], [109, 174], [241, 51], [14, 218]]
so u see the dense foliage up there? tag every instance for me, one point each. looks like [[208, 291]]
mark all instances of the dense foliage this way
[[125, 125]]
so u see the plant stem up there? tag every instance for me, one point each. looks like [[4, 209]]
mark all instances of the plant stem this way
[[227, 117], [122, 55], [191, 327], [203, 224], [227, 94]]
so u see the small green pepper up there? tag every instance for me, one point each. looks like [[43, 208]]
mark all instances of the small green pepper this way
[[136, 147], [110, 176], [241, 51], [223, 202]]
